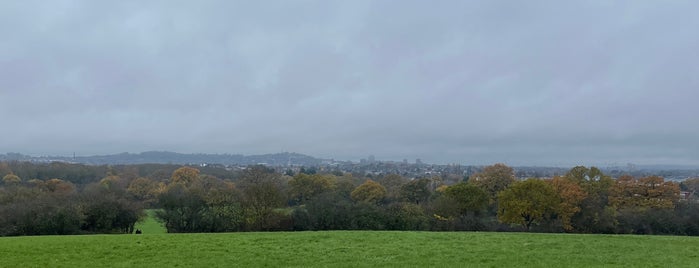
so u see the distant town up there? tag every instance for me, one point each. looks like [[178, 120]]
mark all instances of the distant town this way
[[293, 163]]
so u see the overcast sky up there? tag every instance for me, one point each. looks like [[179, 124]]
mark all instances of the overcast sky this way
[[471, 82]]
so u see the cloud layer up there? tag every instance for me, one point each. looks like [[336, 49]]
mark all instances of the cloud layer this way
[[535, 83]]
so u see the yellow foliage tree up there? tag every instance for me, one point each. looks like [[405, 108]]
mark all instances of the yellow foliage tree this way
[[113, 182], [185, 176], [369, 191], [60, 186], [144, 189], [11, 179]]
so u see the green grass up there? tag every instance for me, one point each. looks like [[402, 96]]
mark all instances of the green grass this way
[[350, 249], [149, 225]]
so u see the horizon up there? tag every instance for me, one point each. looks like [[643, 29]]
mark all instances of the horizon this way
[[410, 161], [535, 83]]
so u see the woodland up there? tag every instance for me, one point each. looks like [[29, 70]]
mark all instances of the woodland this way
[[61, 198]]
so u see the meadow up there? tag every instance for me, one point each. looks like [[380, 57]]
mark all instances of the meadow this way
[[149, 225], [350, 249]]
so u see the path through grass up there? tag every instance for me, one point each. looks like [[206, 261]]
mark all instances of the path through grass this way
[[149, 225]]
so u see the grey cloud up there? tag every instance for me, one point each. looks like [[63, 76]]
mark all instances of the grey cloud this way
[[536, 82]]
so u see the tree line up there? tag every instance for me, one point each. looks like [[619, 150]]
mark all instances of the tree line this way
[[111, 199]]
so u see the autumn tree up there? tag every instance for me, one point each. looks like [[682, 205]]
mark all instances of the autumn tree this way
[[527, 202], [11, 179], [305, 187], [592, 180], [571, 196], [369, 191], [494, 179], [595, 215], [144, 190], [649, 205], [625, 192], [60, 187], [659, 193], [185, 176], [647, 192], [114, 183]]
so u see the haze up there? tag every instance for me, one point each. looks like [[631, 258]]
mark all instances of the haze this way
[[472, 82]]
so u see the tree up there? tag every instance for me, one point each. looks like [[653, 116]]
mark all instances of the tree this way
[[369, 191], [114, 183], [691, 185], [144, 190], [5, 169], [416, 191], [643, 193], [305, 187], [183, 210], [494, 179], [406, 216], [261, 188], [32, 212], [527, 202], [59, 186], [468, 197], [225, 212], [592, 180], [595, 215], [11, 179], [309, 171], [392, 183], [106, 211], [367, 216], [571, 195], [185, 175], [326, 211], [659, 193], [206, 204]]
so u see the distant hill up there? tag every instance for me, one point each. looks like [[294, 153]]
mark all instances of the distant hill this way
[[158, 157]]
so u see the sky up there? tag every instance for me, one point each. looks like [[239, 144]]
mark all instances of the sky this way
[[470, 82]]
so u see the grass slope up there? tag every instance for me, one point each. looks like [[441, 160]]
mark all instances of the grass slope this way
[[350, 249]]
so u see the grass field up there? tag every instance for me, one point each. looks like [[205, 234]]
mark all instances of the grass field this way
[[350, 249], [149, 225]]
